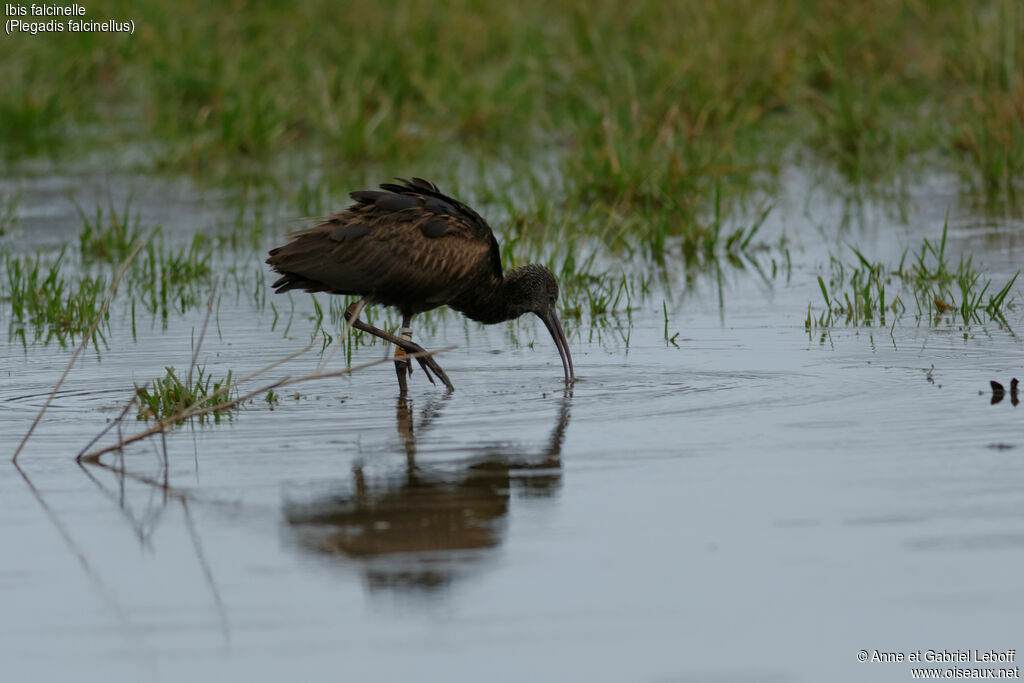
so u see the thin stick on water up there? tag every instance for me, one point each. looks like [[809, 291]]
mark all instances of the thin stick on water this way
[[204, 564], [347, 330], [88, 569], [85, 340], [115, 421], [202, 334]]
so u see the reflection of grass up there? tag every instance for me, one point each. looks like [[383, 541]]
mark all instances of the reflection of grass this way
[[939, 290]]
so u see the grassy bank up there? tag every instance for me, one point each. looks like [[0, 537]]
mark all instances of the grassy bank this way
[[653, 106]]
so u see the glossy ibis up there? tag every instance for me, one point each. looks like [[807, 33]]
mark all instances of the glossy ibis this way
[[414, 248]]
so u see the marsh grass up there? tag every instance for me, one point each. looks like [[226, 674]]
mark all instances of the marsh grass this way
[[989, 122], [169, 396], [39, 119], [272, 398], [108, 238], [169, 279], [645, 106], [8, 212], [939, 288], [52, 305], [992, 138], [668, 340], [55, 297], [856, 293], [651, 125]]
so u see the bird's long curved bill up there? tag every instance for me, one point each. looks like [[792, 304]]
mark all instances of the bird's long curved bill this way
[[555, 328]]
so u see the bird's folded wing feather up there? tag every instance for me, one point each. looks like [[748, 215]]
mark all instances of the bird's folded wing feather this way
[[389, 245]]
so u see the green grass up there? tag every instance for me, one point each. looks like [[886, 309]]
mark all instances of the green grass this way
[[989, 120], [8, 212], [48, 304], [33, 123], [651, 108], [595, 135], [55, 297], [856, 293], [940, 289], [169, 395], [172, 280], [107, 239], [668, 340]]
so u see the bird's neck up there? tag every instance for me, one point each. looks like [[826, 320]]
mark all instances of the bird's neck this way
[[495, 302]]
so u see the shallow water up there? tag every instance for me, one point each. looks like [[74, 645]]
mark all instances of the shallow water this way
[[758, 504]]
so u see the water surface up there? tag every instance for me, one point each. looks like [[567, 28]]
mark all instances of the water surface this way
[[754, 502]]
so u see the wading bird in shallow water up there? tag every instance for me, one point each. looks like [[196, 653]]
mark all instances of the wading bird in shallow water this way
[[414, 248]]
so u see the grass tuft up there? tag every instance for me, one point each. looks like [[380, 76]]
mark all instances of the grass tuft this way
[[108, 241], [169, 396], [940, 291], [55, 307]]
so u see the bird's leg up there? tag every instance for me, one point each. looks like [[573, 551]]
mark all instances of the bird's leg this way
[[426, 362], [403, 368]]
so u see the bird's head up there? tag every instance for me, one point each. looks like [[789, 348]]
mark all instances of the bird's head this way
[[534, 289]]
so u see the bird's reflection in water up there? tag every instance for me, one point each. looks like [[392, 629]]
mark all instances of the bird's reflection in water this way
[[424, 527]]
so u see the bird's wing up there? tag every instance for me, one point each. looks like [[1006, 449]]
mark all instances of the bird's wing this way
[[416, 244]]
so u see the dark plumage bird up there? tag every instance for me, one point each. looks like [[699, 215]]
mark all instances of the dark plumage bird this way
[[414, 248]]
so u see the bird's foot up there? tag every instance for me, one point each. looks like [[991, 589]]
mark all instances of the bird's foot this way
[[428, 364]]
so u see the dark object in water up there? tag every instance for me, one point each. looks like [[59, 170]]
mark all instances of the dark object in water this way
[[998, 392], [414, 248], [432, 524]]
